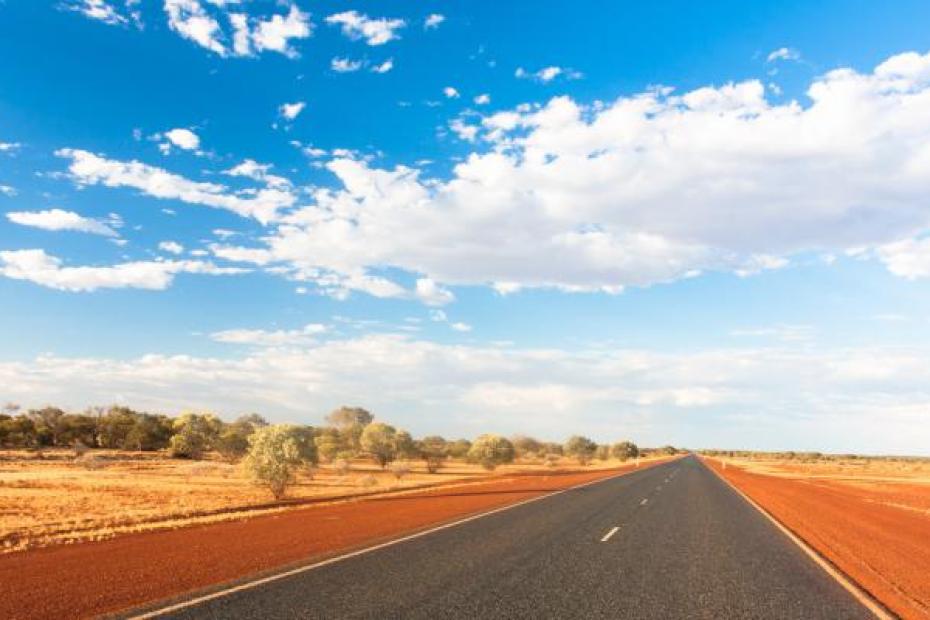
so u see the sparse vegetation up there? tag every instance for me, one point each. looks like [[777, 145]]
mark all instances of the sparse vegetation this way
[[489, 451], [580, 448], [274, 455]]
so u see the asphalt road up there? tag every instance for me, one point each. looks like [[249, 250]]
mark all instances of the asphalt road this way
[[672, 541]]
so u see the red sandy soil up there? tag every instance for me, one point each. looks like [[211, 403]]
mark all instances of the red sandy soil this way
[[877, 534], [93, 578]]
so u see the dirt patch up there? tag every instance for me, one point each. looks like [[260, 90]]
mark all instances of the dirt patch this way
[[88, 579], [877, 532]]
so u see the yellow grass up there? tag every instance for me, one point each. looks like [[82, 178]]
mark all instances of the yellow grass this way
[[60, 499], [911, 471]]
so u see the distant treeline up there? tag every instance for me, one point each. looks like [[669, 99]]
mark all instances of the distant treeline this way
[[349, 432], [805, 457]]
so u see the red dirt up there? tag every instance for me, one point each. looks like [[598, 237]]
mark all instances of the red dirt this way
[[89, 579], [884, 548]]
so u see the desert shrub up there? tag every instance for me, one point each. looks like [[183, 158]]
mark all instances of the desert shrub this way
[[92, 462], [275, 453], [400, 469], [525, 447], [551, 460], [459, 448], [624, 450], [489, 451], [404, 446], [432, 450], [367, 481], [329, 443], [342, 466], [379, 441], [194, 434], [580, 448], [602, 453]]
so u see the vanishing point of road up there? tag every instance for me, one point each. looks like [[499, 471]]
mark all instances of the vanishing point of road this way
[[670, 541]]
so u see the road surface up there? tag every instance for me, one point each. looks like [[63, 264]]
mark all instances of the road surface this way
[[672, 541]]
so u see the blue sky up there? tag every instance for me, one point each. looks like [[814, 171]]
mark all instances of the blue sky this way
[[693, 224]]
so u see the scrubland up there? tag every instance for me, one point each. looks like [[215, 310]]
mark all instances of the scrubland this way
[[52, 497]]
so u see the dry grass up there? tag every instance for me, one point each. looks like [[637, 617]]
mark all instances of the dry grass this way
[[60, 499]]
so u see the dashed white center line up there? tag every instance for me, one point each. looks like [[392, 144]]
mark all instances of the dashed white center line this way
[[609, 534], [643, 503]]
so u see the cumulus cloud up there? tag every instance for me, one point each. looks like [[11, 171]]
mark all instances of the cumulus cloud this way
[[41, 268], [203, 22], [783, 53], [547, 74], [107, 11], [450, 92], [251, 169], [180, 137], [713, 398], [345, 65], [306, 335], [87, 168], [290, 111], [908, 258], [384, 67], [642, 190], [172, 247], [358, 26], [483, 99], [432, 294], [59, 219], [433, 20]]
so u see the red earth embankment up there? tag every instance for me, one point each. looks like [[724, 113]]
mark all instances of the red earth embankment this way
[[882, 546], [89, 579]]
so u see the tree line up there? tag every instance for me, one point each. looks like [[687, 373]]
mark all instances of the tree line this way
[[272, 454]]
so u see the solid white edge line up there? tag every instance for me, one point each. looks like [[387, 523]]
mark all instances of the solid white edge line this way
[[303, 569], [863, 597], [609, 534]]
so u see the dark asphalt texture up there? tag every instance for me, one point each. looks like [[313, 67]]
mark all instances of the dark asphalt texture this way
[[695, 549]]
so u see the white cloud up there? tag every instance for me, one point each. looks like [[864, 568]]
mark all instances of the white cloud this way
[[547, 74], [460, 327], [262, 338], [172, 247], [783, 53], [463, 130], [8, 190], [202, 22], [106, 11], [450, 92], [290, 111], [909, 258], [345, 65], [58, 219], [384, 67], [433, 20], [86, 168], [38, 267], [182, 138], [9, 147], [357, 26], [483, 99], [190, 20], [251, 169], [432, 294], [642, 190], [276, 32], [714, 398]]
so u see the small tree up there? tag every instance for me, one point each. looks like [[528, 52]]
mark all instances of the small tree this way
[[329, 444], [580, 448], [400, 469], [404, 446], [526, 446], [624, 450], [194, 434], [432, 450], [275, 453], [489, 451], [379, 441], [346, 417], [603, 452], [459, 448]]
